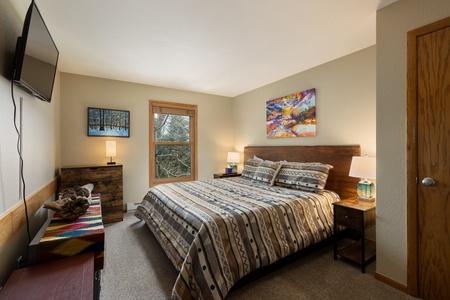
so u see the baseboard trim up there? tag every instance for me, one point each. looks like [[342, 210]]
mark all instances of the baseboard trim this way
[[393, 283], [14, 218]]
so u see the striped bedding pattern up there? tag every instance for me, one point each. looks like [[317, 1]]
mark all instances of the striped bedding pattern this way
[[217, 231]]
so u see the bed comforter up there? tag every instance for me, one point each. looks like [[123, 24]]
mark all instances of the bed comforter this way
[[217, 231]]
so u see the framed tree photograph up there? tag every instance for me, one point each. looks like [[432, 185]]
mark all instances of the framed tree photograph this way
[[108, 122]]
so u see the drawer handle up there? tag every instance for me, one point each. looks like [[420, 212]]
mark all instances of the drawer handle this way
[[346, 217]]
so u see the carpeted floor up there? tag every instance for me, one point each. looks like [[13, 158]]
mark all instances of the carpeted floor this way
[[137, 268]]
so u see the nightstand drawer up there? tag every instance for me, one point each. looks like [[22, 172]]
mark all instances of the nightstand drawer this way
[[358, 216], [348, 217]]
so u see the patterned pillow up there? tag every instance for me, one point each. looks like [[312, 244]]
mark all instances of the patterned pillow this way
[[250, 167], [309, 177], [267, 171]]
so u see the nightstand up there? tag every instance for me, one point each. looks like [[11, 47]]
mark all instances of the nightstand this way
[[358, 216], [222, 175]]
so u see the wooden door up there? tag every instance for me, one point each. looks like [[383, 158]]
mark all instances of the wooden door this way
[[432, 97]]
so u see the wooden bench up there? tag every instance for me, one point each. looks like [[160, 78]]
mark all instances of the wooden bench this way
[[59, 238], [68, 278]]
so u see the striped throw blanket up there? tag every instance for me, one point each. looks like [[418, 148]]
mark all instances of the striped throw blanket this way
[[217, 231]]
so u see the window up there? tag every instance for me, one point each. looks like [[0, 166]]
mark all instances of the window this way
[[173, 142]]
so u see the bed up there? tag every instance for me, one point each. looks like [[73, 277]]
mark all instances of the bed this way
[[218, 231]]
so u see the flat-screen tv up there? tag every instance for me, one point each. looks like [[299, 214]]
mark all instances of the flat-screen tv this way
[[36, 57]]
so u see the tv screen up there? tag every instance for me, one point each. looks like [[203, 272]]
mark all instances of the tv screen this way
[[36, 57]]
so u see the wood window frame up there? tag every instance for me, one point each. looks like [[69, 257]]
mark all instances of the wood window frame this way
[[173, 108]]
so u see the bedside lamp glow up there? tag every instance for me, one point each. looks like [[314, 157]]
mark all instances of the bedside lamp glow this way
[[111, 151], [233, 159], [364, 167]]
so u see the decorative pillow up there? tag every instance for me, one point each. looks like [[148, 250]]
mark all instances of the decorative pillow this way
[[309, 177], [260, 159], [267, 172], [250, 167]]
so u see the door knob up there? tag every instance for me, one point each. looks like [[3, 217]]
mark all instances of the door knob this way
[[428, 181]]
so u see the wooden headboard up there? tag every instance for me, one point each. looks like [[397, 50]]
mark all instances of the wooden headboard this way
[[340, 157]]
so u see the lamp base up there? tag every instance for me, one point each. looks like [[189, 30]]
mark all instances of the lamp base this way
[[366, 191], [111, 162], [233, 168], [366, 200]]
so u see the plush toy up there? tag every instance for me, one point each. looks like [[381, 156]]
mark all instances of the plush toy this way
[[72, 203]]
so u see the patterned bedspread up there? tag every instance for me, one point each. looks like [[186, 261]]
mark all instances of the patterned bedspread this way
[[217, 231]]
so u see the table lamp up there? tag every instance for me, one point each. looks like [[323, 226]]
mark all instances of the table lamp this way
[[233, 159], [111, 151], [364, 167]]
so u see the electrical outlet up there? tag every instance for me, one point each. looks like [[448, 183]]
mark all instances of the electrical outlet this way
[[20, 262]]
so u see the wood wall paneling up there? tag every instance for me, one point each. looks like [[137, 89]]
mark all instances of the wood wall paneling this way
[[14, 218]]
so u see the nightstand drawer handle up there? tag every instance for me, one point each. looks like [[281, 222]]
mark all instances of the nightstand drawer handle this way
[[346, 217]]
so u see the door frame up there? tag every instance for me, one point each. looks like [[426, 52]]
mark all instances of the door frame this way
[[412, 152]]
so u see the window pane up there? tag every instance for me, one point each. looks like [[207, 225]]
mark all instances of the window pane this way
[[172, 161], [171, 128]]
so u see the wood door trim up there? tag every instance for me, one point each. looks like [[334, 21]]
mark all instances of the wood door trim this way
[[411, 156]]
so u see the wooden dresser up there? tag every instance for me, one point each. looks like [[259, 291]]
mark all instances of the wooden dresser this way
[[107, 180]]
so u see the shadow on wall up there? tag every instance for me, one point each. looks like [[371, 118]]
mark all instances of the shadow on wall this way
[[10, 29]]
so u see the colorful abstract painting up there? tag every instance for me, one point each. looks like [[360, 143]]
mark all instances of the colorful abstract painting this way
[[292, 115]]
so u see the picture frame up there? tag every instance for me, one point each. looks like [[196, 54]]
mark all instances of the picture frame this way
[[108, 122], [293, 115]]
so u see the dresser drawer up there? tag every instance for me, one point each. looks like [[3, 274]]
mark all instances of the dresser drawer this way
[[348, 217]]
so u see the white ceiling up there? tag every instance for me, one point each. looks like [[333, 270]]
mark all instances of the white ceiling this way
[[225, 47]]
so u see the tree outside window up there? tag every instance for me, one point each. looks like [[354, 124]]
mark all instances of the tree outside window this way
[[173, 128]]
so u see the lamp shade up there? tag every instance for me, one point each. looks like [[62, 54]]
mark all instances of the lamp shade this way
[[233, 158], [110, 148], [363, 167]]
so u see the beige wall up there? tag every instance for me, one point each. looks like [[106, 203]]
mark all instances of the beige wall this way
[[393, 22], [345, 102], [41, 162], [39, 123], [215, 136], [40, 127]]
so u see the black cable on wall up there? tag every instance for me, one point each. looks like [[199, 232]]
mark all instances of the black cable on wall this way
[[19, 151]]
